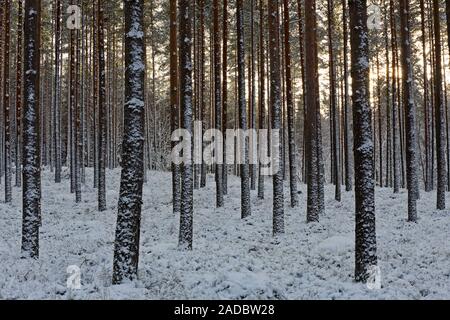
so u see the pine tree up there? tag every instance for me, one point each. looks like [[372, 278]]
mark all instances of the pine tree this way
[[347, 144], [395, 106], [175, 112], [276, 113], [185, 51], [365, 241], [101, 108], [290, 107], [439, 111], [31, 175], [126, 246], [244, 167], [313, 138], [261, 92], [19, 71], [333, 104], [6, 100], [409, 103], [217, 100]]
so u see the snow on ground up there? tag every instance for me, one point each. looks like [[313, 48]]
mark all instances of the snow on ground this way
[[232, 258]]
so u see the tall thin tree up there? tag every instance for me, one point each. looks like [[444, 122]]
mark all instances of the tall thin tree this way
[[439, 111], [185, 63], [410, 110], [365, 241], [244, 167], [126, 246], [31, 195]]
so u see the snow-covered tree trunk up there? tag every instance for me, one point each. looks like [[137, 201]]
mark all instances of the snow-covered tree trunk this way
[[333, 104], [313, 135], [252, 105], [203, 169], [244, 167], [174, 99], [19, 75], [276, 112], [410, 108], [301, 36], [262, 107], [95, 89], [6, 100], [57, 97], [290, 107], [126, 246], [31, 174], [185, 51], [365, 241], [426, 102], [346, 125], [439, 111], [217, 98], [101, 109], [395, 106], [224, 91]]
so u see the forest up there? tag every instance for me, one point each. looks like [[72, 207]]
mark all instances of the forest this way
[[224, 149]]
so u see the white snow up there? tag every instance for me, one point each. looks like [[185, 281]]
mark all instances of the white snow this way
[[232, 258]]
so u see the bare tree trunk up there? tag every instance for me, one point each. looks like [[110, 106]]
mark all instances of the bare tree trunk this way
[[365, 241], [290, 108], [439, 113], [31, 194], [224, 92], [19, 82], [185, 49], [174, 99], [275, 104], [244, 167], [101, 109], [408, 101], [217, 102], [262, 112], [126, 246], [313, 136], [333, 104], [6, 100]]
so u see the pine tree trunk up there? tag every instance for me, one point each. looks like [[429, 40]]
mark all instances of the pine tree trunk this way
[[31, 175], [244, 165], [395, 122], [175, 112], [276, 114], [439, 112], [185, 51], [410, 108], [262, 112], [19, 71], [224, 92], [126, 246], [101, 109], [203, 90], [333, 104], [6, 101], [347, 144], [217, 102], [365, 245], [313, 127], [290, 107]]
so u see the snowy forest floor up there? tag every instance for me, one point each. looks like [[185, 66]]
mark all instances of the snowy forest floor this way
[[232, 258]]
